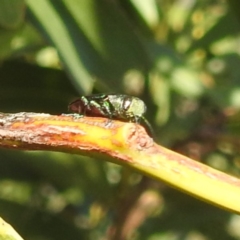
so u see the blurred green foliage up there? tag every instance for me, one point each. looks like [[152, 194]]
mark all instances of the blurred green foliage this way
[[182, 57]]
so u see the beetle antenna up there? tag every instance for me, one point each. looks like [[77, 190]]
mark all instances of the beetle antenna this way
[[148, 127]]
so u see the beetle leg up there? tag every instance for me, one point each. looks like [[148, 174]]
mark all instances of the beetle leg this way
[[97, 105], [107, 108], [108, 122], [108, 111], [85, 104], [136, 119], [133, 118]]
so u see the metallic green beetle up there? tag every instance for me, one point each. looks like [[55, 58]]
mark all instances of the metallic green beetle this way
[[112, 106]]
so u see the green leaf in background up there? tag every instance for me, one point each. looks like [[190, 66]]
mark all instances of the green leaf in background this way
[[89, 38], [53, 26]]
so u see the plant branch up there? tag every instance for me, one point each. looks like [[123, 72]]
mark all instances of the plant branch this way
[[121, 143]]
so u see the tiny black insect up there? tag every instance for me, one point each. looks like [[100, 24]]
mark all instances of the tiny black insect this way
[[112, 106]]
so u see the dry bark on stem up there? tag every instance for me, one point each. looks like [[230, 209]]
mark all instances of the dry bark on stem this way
[[73, 134], [122, 143]]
